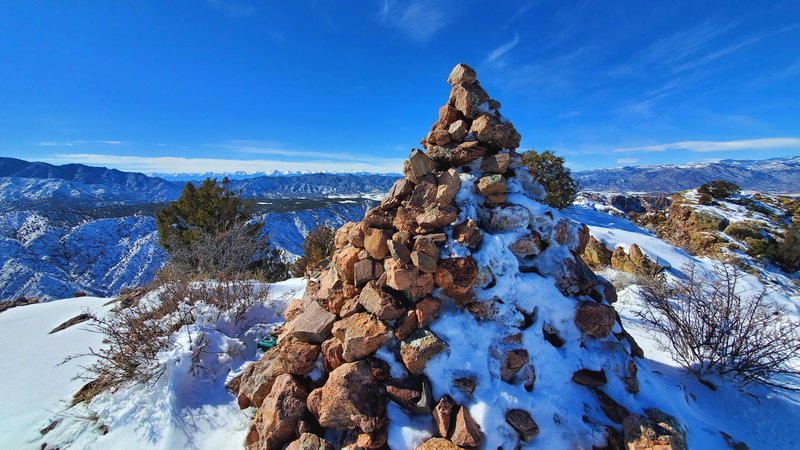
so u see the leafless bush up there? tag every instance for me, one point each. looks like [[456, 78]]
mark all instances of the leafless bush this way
[[710, 327], [134, 336], [236, 252]]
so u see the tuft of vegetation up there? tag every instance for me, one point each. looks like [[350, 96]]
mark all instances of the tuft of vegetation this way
[[317, 246], [742, 230], [787, 254], [208, 232], [713, 327], [719, 190], [133, 336], [548, 169]]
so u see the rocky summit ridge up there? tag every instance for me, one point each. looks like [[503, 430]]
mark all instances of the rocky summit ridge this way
[[456, 314]]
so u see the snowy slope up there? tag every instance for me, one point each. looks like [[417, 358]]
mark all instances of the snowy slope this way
[[181, 410], [34, 384], [43, 256]]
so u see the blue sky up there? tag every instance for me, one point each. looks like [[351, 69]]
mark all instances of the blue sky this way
[[223, 85]]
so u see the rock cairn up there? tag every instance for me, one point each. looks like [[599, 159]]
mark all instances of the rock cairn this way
[[459, 303]]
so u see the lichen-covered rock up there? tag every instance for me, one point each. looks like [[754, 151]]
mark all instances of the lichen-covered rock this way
[[380, 303], [492, 131], [437, 216], [456, 156], [417, 349], [657, 431], [595, 254]]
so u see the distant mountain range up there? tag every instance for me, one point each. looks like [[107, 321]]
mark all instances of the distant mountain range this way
[[241, 175], [776, 175], [22, 181]]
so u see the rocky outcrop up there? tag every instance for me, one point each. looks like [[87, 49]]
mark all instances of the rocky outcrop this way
[[463, 236]]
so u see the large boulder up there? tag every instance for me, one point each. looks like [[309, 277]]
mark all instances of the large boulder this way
[[277, 420], [350, 398]]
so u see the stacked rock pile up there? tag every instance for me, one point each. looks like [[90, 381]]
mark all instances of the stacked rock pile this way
[[456, 314]]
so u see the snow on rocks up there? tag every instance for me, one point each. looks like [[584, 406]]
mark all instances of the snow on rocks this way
[[480, 282]]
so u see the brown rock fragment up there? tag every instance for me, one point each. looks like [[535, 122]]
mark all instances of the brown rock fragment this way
[[437, 216], [375, 242], [313, 325], [418, 165], [462, 73], [491, 184], [366, 270], [458, 130], [443, 415], [513, 361], [426, 310], [399, 252], [423, 262], [595, 319], [496, 163], [296, 358], [276, 420], [380, 303], [466, 98], [406, 325], [361, 335], [466, 432], [449, 183], [456, 156], [492, 131], [438, 444], [457, 275], [332, 358], [587, 377], [523, 423], [417, 349], [467, 232], [308, 441]]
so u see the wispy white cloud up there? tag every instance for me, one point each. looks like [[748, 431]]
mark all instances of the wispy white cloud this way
[[495, 55], [720, 146], [419, 20], [83, 142], [172, 164], [268, 148], [627, 161]]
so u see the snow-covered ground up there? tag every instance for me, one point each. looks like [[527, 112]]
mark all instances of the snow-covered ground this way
[[185, 408]]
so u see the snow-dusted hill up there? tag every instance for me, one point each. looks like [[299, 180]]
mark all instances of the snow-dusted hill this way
[[44, 253], [779, 175]]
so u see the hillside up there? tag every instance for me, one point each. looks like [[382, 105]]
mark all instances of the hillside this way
[[777, 175]]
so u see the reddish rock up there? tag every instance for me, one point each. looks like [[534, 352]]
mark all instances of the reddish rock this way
[[399, 252], [351, 306], [467, 232], [492, 131], [491, 184], [583, 238], [422, 286], [380, 303], [595, 319], [449, 183], [496, 163], [296, 358], [427, 310], [456, 156], [366, 270], [417, 349], [576, 278], [350, 398], [344, 260], [308, 441], [523, 423], [528, 245], [361, 335], [294, 308], [400, 276], [400, 190], [461, 73], [560, 232], [447, 116], [586, 377], [341, 237], [406, 218], [437, 216], [466, 97], [466, 432], [427, 245], [376, 439], [332, 358], [276, 421], [458, 130], [443, 416], [313, 325], [438, 444], [412, 394], [457, 275], [631, 379], [496, 199], [528, 375], [406, 325], [375, 242], [513, 361], [418, 165], [439, 136], [423, 262], [404, 237], [378, 218], [330, 283]]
